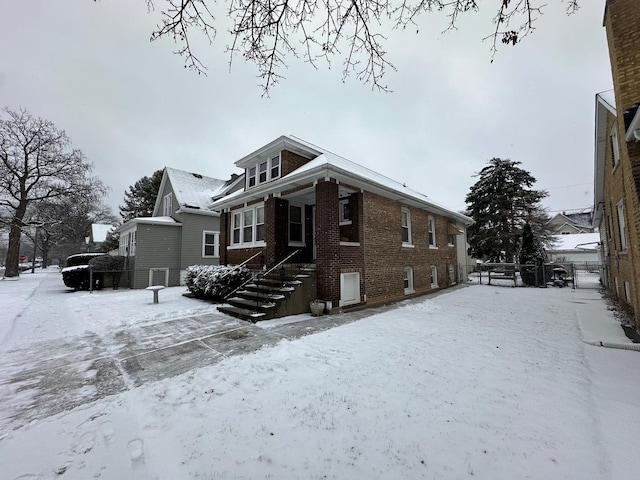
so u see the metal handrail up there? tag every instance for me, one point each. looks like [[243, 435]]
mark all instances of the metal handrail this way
[[284, 260], [301, 268], [263, 274], [241, 265]]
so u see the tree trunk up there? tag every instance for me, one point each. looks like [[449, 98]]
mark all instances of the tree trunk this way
[[13, 253]]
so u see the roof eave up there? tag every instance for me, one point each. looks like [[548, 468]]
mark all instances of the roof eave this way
[[284, 142], [326, 171]]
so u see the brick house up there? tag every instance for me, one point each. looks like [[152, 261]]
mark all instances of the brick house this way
[[369, 238], [617, 156]]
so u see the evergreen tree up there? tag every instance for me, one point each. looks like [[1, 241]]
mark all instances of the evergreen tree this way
[[140, 198], [500, 203], [531, 253]]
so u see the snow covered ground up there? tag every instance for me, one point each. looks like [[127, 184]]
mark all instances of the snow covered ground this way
[[484, 382]]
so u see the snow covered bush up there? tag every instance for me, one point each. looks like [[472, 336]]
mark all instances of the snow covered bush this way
[[215, 281], [76, 274]]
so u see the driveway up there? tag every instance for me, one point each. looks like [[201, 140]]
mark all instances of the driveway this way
[[54, 375]]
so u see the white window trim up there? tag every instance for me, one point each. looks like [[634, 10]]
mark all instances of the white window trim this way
[[127, 243], [254, 176], [408, 226], [627, 292], [622, 229], [434, 276], [167, 209], [254, 231], [343, 220], [346, 280], [166, 275], [615, 147], [133, 241], [216, 243], [295, 243], [269, 177], [408, 271], [431, 223]]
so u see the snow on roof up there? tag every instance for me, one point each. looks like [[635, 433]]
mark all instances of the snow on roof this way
[[577, 241], [128, 225], [194, 190], [609, 97], [330, 161], [99, 232]]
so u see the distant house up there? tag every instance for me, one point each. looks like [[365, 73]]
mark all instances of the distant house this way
[[575, 248], [97, 236], [367, 238], [566, 223], [617, 157], [182, 231]]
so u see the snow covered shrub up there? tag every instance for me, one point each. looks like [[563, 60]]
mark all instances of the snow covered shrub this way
[[76, 274], [215, 281]]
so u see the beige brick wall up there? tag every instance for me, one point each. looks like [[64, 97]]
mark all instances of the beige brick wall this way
[[622, 21]]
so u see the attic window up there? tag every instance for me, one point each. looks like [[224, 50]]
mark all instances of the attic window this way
[[197, 175], [263, 171]]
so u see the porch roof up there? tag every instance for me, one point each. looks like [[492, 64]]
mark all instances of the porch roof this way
[[331, 166]]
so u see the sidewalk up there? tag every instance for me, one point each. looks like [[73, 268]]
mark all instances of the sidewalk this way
[[598, 326]]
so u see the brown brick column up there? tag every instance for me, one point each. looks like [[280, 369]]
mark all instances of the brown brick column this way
[[328, 239], [276, 218], [224, 237]]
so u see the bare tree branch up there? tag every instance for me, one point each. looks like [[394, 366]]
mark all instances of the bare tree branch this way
[[266, 32]]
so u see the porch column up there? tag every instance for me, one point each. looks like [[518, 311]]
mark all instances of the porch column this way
[[276, 234], [224, 237], [328, 242]]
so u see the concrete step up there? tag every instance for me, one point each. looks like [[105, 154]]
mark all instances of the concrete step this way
[[255, 296], [250, 304], [242, 313], [267, 289]]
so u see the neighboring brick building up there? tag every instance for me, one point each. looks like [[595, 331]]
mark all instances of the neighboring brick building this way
[[371, 239], [617, 155]]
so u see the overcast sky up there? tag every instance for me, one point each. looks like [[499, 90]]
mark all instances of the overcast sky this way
[[132, 108]]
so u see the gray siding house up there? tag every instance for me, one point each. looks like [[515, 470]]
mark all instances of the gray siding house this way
[[182, 231]]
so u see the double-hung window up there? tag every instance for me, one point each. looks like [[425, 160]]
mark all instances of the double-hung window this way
[[434, 276], [296, 226], [345, 212], [622, 226], [407, 277], [210, 244], [615, 149], [133, 240], [247, 226], [263, 171], [275, 167], [168, 205], [406, 226], [432, 231]]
